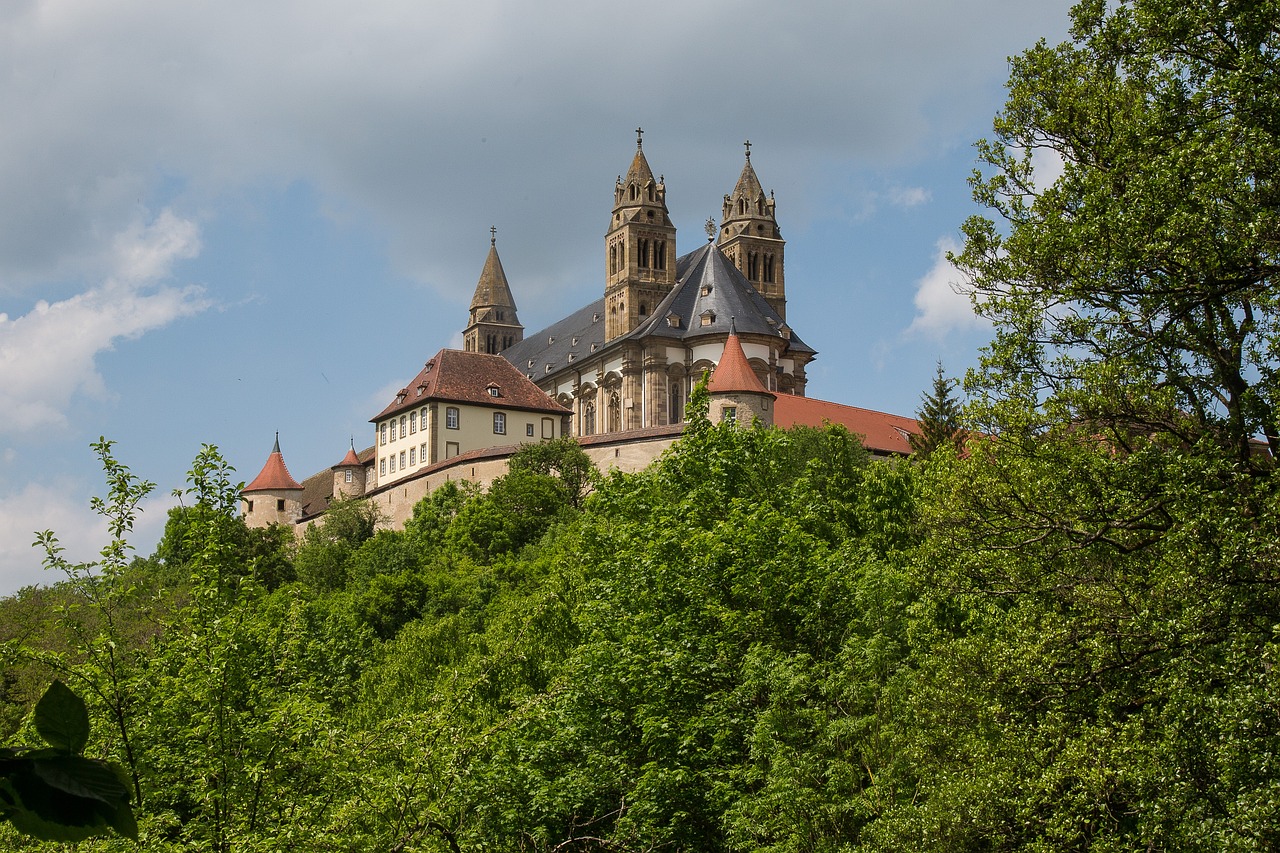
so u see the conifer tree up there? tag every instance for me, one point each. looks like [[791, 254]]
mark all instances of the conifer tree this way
[[938, 417]]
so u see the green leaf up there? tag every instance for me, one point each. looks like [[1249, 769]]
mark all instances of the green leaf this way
[[62, 719], [83, 777]]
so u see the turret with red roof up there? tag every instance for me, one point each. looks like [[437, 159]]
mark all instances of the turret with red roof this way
[[737, 394], [273, 497]]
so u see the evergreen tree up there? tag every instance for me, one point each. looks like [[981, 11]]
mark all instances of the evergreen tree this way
[[938, 417]]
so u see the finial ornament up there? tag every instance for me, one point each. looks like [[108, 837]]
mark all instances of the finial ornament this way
[[748, 145], [493, 235], [710, 227], [639, 137]]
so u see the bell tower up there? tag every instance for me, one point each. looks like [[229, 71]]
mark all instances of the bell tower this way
[[640, 248], [750, 239], [492, 325]]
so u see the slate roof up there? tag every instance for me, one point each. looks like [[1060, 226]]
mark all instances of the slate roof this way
[[455, 376], [881, 432], [274, 474], [706, 283]]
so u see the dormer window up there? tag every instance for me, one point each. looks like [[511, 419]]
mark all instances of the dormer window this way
[[551, 339], [673, 320], [595, 318], [493, 391], [574, 341], [707, 317], [706, 290]]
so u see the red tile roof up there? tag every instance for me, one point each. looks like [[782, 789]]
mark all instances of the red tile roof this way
[[465, 377], [734, 372], [274, 475], [350, 459], [880, 431]]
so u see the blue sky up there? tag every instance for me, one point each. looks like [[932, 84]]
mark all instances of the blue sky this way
[[223, 219]]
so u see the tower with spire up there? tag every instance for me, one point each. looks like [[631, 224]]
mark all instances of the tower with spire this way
[[640, 248], [750, 238], [273, 497], [492, 325]]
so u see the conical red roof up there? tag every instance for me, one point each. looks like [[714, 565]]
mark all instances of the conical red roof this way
[[734, 372], [274, 476], [350, 459]]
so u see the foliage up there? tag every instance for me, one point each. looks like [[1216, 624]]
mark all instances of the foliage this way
[[1136, 293], [563, 459], [329, 542], [939, 418], [55, 793]]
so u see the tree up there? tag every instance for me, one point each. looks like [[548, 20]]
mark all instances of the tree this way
[[938, 417], [1137, 293], [561, 458]]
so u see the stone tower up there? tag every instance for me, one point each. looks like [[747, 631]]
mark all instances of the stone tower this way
[[737, 395], [348, 475], [492, 325], [640, 248], [750, 238], [273, 497]]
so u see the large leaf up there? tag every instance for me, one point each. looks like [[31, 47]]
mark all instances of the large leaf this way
[[62, 719]]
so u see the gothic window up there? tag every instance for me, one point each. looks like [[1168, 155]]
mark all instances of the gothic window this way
[[768, 267], [589, 418], [499, 315], [613, 259], [643, 311], [660, 254], [635, 192], [642, 254], [615, 412], [742, 206]]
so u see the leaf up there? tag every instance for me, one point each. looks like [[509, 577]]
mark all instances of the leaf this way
[[83, 777], [62, 719]]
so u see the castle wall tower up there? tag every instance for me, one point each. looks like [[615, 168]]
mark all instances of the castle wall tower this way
[[492, 325], [273, 497], [640, 248], [737, 396], [349, 476], [750, 238]]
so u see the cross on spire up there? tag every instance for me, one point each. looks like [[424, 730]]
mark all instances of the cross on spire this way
[[748, 145], [493, 235], [639, 137]]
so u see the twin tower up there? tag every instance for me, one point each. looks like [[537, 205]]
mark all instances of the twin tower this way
[[640, 257]]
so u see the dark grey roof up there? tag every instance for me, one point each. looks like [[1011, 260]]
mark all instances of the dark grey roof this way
[[576, 337], [705, 283]]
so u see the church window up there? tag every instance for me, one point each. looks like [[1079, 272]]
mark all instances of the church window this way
[[635, 192], [660, 254], [451, 417], [613, 259], [589, 418], [642, 254], [729, 414], [402, 455], [615, 412], [742, 206], [413, 422], [768, 267], [753, 266], [528, 430], [499, 423], [499, 314], [676, 411], [413, 456], [649, 192], [643, 310], [383, 437]]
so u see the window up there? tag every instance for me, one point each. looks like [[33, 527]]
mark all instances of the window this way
[[382, 467], [729, 415], [675, 410], [404, 426], [589, 418], [280, 505], [348, 478], [413, 422], [528, 430], [250, 503], [413, 456], [392, 467], [499, 423], [422, 453], [383, 438], [548, 428], [451, 417], [402, 465]]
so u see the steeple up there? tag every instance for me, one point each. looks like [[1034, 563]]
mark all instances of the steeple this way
[[492, 325], [273, 497], [640, 247], [750, 238]]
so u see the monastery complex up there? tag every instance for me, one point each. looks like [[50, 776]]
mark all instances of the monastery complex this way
[[615, 374]]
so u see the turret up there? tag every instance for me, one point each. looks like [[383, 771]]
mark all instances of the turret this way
[[737, 395], [640, 247], [750, 238], [273, 497], [492, 325], [348, 475]]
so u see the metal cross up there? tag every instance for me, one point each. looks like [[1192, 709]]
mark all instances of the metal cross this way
[[748, 144], [639, 136], [493, 235]]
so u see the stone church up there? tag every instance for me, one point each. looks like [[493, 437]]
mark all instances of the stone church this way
[[615, 374]]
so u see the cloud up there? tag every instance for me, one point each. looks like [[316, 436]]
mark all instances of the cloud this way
[[909, 196], [1048, 166], [940, 306], [47, 356]]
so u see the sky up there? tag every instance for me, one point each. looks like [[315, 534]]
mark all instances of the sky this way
[[227, 218]]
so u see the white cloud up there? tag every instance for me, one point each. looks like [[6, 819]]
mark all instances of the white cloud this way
[[47, 356], [1047, 165], [941, 306], [909, 196]]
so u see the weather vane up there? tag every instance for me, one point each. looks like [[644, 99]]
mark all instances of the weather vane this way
[[711, 229]]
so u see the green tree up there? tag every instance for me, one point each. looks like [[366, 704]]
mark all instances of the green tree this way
[[938, 418], [329, 543], [1137, 293], [563, 459]]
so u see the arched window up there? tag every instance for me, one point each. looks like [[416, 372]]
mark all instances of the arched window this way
[[642, 254], [660, 254], [675, 406], [753, 266], [615, 412], [768, 267], [589, 417]]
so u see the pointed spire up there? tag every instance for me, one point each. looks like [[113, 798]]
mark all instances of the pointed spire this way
[[274, 474], [733, 373], [492, 290], [351, 459]]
